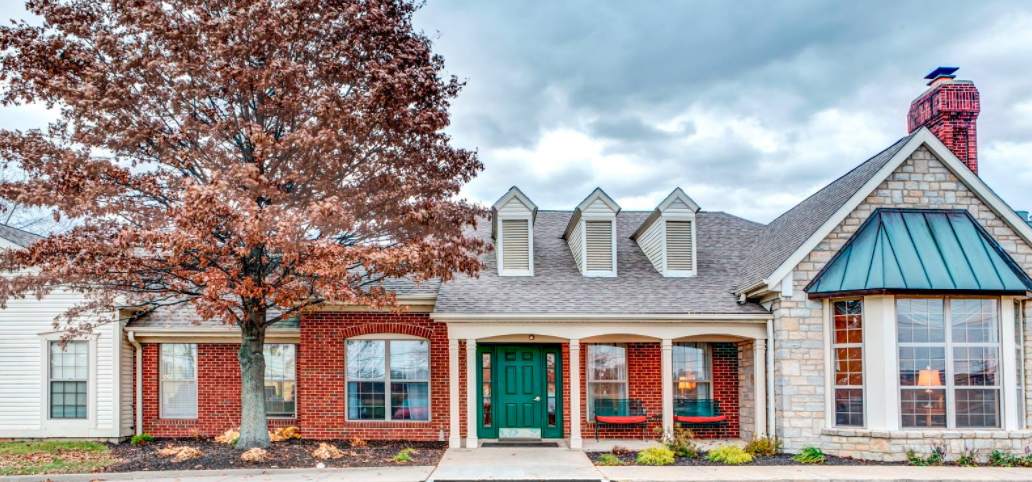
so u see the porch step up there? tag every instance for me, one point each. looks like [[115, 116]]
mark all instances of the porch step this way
[[519, 443]]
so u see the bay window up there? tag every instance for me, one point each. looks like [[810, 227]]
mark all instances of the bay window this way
[[280, 380], [178, 380], [949, 373], [693, 378], [847, 345], [388, 379], [607, 374], [68, 379]]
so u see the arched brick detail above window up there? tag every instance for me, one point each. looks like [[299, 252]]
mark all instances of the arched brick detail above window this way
[[389, 328]]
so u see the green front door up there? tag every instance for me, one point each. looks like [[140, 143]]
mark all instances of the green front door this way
[[520, 391]]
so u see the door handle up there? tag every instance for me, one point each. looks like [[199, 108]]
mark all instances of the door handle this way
[[537, 398]]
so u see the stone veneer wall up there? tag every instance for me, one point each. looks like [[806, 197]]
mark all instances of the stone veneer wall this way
[[922, 181], [746, 389]]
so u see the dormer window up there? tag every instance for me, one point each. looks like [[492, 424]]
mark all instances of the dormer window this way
[[512, 227], [591, 235], [668, 237]]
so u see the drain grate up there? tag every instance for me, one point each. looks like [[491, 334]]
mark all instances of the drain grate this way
[[520, 444]]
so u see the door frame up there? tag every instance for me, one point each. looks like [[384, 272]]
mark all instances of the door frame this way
[[491, 350]]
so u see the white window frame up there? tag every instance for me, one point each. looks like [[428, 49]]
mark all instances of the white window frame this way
[[60, 424], [387, 339], [293, 379], [949, 345], [590, 412], [196, 381], [863, 361], [707, 355], [501, 246], [611, 219], [1019, 348]]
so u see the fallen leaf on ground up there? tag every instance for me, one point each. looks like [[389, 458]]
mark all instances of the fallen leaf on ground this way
[[327, 451], [180, 454], [254, 455], [228, 438]]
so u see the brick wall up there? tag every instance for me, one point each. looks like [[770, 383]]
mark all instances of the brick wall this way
[[644, 365], [321, 376], [218, 394]]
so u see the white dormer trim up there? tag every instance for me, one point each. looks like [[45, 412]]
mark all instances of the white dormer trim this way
[[651, 236], [513, 206], [597, 207]]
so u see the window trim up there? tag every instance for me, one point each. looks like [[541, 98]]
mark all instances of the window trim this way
[[863, 362], [588, 381], [1021, 365], [196, 381], [707, 354], [58, 424], [293, 379], [387, 338], [949, 345]]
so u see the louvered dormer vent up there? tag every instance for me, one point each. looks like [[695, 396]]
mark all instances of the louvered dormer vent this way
[[515, 245], [679, 245], [591, 235], [512, 228], [668, 236], [599, 237]]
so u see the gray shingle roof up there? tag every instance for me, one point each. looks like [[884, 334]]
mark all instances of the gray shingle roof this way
[[557, 287], [787, 233], [18, 236]]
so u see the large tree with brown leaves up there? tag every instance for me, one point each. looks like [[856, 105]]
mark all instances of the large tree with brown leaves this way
[[251, 158]]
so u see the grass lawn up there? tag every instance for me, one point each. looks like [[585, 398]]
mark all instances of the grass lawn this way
[[37, 458]]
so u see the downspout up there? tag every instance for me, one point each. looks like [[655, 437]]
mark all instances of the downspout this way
[[771, 426], [138, 408]]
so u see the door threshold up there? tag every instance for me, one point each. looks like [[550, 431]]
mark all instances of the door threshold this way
[[520, 444]]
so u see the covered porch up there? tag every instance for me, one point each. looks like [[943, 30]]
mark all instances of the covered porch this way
[[543, 379]]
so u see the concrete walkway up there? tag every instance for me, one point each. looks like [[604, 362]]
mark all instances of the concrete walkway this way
[[378, 474], [815, 473], [515, 464]]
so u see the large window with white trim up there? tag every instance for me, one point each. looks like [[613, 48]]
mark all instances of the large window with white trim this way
[[68, 379], [280, 380], [388, 379], [949, 373], [178, 380], [847, 345], [693, 379], [607, 374]]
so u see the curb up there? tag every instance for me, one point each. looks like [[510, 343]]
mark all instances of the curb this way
[[172, 474]]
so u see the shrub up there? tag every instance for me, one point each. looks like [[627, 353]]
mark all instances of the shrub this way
[[810, 455], [405, 455], [655, 456], [1003, 459], [141, 439], [729, 455], [681, 442], [763, 447], [608, 460], [968, 458], [937, 457], [620, 450]]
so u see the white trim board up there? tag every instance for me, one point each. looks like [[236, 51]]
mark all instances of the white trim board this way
[[923, 137]]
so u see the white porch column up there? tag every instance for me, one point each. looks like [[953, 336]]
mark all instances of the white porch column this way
[[760, 387], [667, 371], [575, 415], [454, 438], [471, 394], [1010, 367]]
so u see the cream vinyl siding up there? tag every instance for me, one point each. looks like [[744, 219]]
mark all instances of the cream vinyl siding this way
[[678, 207], [127, 384], [514, 207], [651, 243], [516, 244], [599, 249], [598, 207], [679, 245], [577, 245]]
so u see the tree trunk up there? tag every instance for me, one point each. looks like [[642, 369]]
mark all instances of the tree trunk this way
[[253, 426]]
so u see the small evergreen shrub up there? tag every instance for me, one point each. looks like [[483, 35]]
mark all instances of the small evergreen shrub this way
[[763, 447], [609, 460], [729, 455], [405, 455], [141, 439], [810, 455], [655, 456]]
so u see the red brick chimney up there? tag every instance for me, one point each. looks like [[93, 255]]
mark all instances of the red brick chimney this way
[[949, 108]]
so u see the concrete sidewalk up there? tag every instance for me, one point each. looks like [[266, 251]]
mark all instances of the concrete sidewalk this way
[[515, 464], [815, 473], [358, 474]]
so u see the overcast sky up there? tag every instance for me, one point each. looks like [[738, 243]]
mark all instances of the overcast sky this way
[[747, 106]]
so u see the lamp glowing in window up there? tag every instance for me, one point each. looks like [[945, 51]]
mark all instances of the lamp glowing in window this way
[[928, 378], [686, 382]]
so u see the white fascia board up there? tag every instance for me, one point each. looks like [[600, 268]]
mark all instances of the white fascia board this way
[[811, 243], [924, 137], [588, 317]]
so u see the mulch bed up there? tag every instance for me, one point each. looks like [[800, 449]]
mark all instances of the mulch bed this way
[[290, 454], [783, 459]]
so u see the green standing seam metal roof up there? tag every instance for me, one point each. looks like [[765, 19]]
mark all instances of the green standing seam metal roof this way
[[920, 250]]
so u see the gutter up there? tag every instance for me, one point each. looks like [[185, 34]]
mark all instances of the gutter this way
[[138, 352], [533, 317]]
